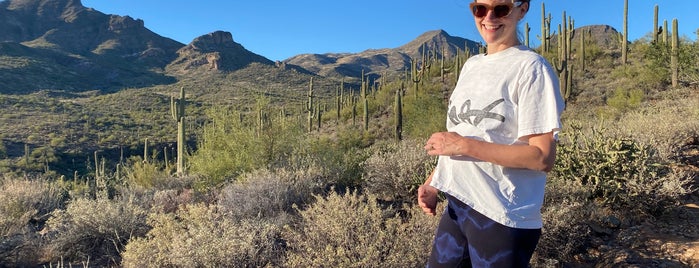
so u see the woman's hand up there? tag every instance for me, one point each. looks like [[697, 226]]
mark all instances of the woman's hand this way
[[427, 199], [445, 143]]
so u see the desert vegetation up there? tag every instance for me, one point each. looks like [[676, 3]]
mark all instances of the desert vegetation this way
[[326, 175]]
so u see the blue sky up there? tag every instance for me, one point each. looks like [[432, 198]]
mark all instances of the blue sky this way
[[282, 29]]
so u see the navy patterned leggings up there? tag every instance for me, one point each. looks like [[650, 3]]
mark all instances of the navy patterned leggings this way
[[466, 238]]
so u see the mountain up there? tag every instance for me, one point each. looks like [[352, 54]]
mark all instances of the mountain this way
[[62, 45], [435, 43], [215, 51], [604, 36]]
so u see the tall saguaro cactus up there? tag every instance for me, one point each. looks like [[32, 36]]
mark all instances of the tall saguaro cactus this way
[[565, 34], [399, 115], [582, 51], [177, 110], [655, 25], [625, 41], [545, 29], [338, 101], [665, 31], [674, 58], [527, 29], [310, 107], [415, 75], [365, 96]]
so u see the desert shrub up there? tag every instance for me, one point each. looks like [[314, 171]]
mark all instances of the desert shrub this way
[[23, 200], [145, 174], [203, 236], [396, 169], [339, 158], [626, 99], [266, 194], [232, 144], [620, 171], [353, 230], [690, 70], [25, 205], [169, 200], [95, 229]]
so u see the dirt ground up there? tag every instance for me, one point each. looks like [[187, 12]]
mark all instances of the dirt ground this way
[[672, 241]]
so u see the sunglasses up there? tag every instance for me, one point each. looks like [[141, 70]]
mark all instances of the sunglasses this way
[[480, 10]]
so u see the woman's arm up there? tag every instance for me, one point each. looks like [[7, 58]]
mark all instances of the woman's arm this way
[[537, 153]]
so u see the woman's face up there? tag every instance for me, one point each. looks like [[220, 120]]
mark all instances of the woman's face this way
[[499, 32]]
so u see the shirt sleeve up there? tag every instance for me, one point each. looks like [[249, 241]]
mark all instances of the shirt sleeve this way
[[540, 103]]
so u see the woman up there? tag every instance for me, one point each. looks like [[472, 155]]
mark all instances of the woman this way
[[502, 122]]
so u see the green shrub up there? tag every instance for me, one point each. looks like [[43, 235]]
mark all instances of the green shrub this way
[[201, 235], [353, 230], [230, 146], [626, 99], [338, 157], [145, 174], [396, 170], [96, 230]]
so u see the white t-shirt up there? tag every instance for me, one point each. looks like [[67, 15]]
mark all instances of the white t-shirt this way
[[500, 98]]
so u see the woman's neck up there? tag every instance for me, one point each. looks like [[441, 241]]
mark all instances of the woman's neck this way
[[495, 48]]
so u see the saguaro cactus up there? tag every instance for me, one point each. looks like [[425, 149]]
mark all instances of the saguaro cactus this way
[[562, 66], [338, 103], [545, 30], [415, 75], [655, 25], [582, 51], [625, 41], [527, 29], [310, 107], [365, 96], [177, 110], [399, 115], [674, 58], [145, 151], [665, 31]]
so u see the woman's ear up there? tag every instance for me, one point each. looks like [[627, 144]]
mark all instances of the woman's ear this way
[[525, 9]]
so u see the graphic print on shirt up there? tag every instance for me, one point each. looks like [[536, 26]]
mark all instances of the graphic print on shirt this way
[[474, 116]]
